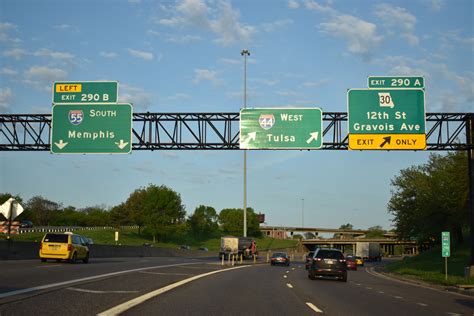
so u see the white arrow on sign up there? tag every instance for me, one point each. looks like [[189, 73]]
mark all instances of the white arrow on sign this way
[[122, 144], [61, 144], [250, 136], [314, 136]]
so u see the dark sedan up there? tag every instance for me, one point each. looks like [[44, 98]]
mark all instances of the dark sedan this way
[[328, 263], [280, 258]]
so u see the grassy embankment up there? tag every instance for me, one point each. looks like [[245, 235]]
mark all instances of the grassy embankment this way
[[429, 266], [132, 238]]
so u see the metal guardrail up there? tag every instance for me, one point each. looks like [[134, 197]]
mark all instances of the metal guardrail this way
[[58, 229]]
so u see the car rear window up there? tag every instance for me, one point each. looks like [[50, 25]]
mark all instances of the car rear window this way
[[329, 254], [279, 254], [60, 238]]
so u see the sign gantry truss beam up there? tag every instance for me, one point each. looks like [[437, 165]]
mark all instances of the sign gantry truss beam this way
[[214, 131]]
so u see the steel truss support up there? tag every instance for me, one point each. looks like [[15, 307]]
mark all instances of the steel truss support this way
[[213, 131]]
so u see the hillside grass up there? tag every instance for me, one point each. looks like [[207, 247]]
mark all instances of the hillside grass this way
[[429, 266], [130, 237]]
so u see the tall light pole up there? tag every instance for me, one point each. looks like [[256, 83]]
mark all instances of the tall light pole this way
[[245, 53], [302, 213]]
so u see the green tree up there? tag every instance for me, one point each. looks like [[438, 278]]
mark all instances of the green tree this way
[[203, 222], [43, 211], [375, 232], [431, 198], [346, 226], [159, 208], [120, 215], [232, 220]]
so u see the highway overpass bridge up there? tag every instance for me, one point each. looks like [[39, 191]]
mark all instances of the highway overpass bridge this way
[[282, 231]]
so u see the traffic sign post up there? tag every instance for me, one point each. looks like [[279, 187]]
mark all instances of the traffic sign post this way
[[90, 92], [386, 119], [86, 128], [445, 250], [395, 82], [281, 128]]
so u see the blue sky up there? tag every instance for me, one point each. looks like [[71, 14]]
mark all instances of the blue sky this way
[[184, 56]]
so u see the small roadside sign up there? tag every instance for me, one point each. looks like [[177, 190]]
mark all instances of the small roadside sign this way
[[445, 244]]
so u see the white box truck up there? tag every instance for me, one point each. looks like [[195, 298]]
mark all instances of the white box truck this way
[[369, 251]]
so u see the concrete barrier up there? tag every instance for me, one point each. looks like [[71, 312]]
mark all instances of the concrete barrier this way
[[23, 250]]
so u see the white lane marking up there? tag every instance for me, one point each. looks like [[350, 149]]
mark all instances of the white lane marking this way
[[50, 266], [138, 300], [285, 276], [358, 284], [313, 307], [453, 314], [289, 285], [164, 273], [381, 292], [98, 292], [293, 269], [397, 297], [287, 271], [48, 286], [422, 304], [368, 288]]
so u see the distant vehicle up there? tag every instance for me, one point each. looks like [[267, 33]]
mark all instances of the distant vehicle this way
[[26, 224], [351, 263], [185, 247], [369, 251], [237, 246], [359, 261], [203, 249], [67, 246], [328, 262], [309, 257], [280, 258]]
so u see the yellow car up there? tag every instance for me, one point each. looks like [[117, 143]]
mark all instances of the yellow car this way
[[67, 246], [359, 261]]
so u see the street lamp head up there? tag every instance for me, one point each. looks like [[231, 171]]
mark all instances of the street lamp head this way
[[245, 52]]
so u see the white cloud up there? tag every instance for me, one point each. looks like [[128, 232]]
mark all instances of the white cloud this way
[[183, 39], [141, 54], [8, 71], [179, 97], [271, 27], [140, 98], [41, 77], [109, 55], [66, 28], [314, 6], [54, 55], [4, 28], [361, 36], [5, 99], [315, 84], [434, 5], [292, 4], [230, 61], [16, 53], [206, 75], [154, 33], [396, 18], [221, 20]]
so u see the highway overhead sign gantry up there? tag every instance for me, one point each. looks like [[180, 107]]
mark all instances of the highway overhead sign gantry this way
[[386, 119], [281, 128], [89, 92], [91, 128], [395, 82]]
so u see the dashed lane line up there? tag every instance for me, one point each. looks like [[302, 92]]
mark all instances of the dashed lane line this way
[[94, 277], [138, 300], [289, 285], [313, 307], [164, 273], [422, 304]]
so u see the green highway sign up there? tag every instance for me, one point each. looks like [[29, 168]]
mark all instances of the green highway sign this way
[[90, 92], [281, 128], [402, 82], [386, 119], [445, 242], [91, 128]]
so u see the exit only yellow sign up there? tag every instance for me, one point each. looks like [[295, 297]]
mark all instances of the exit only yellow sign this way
[[387, 141]]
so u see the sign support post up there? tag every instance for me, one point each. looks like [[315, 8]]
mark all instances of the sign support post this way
[[445, 251]]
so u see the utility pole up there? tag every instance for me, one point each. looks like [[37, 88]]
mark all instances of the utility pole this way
[[245, 53]]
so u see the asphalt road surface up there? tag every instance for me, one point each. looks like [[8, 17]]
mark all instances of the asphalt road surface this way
[[180, 286]]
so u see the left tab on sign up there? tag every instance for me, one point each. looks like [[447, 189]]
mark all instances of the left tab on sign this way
[[68, 87]]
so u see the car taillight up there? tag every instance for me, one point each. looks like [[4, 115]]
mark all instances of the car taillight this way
[[342, 260], [69, 247], [318, 259], [41, 246]]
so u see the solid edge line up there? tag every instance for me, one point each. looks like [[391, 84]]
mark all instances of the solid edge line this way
[[138, 300], [313, 307], [48, 286]]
